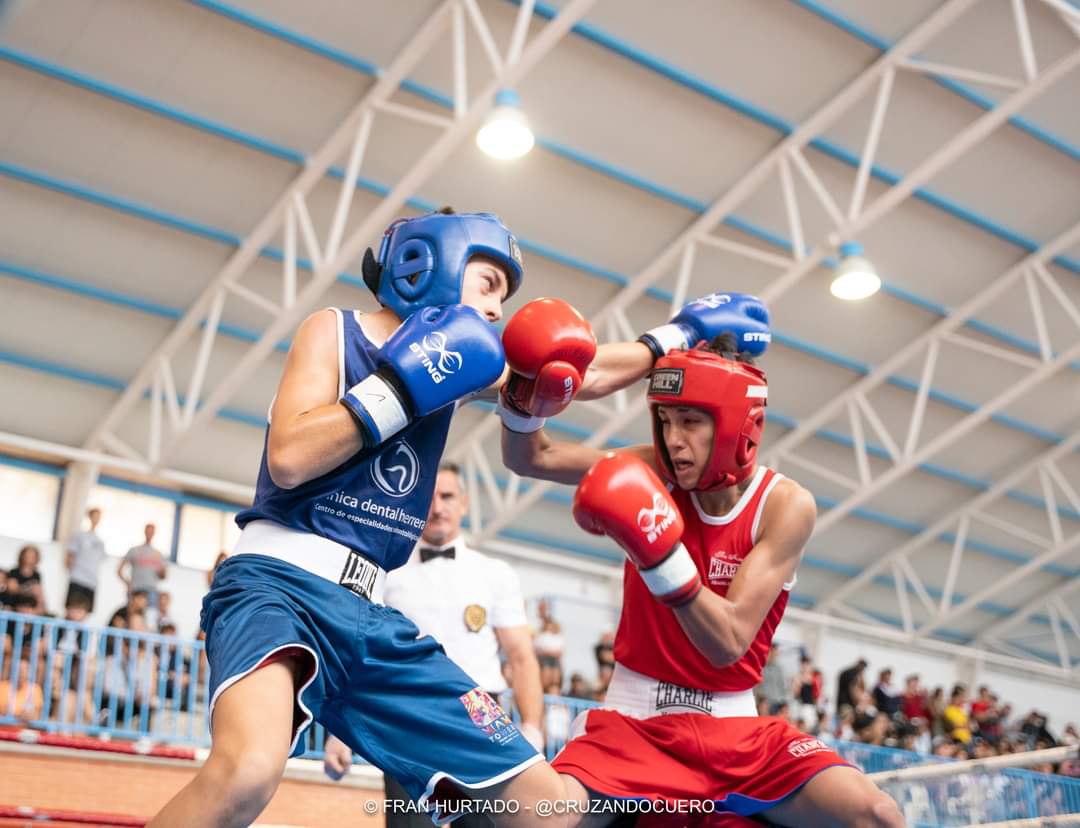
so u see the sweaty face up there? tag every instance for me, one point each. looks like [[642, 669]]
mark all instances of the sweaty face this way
[[688, 437], [485, 286], [448, 507]]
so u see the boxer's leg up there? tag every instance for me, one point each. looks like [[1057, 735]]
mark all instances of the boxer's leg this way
[[838, 796], [253, 725]]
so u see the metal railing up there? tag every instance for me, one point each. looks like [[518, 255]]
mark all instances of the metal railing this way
[[71, 678]]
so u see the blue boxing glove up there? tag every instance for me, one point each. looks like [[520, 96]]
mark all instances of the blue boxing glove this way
[[437, 356], [739, 314]]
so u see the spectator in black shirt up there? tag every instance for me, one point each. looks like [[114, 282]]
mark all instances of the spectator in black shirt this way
[[846, 685], [24, 578]]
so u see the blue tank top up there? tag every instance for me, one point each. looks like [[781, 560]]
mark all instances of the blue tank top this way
[[377, 501]]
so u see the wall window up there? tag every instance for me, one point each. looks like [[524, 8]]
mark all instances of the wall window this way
[[29, 501], [203, 533], [124, 513]]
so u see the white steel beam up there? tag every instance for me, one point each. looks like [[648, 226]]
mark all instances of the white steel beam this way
[[291, 206], [914, 456], [956, 518], [234, 491], [888, 201], [700, 229], [988, 592], [892, 635], [1019, 616]]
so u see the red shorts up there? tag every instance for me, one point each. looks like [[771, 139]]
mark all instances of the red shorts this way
[[745, 765]]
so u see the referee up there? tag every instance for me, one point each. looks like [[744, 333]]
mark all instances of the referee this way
[[472, 605]]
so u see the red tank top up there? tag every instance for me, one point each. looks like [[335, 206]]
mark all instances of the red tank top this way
[[650, 640]]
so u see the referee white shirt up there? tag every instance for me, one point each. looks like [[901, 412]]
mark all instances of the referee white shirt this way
[[460, 601]]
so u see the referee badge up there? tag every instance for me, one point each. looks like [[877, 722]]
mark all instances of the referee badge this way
[[475, 617]]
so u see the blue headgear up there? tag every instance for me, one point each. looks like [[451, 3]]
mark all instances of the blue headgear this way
[[422, 260]]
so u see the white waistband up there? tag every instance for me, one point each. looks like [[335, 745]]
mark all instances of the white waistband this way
[[641, 697], [320, 556]]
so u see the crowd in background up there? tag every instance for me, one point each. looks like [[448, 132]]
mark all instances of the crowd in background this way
[[137, 676], [951, 725], [93, 678]]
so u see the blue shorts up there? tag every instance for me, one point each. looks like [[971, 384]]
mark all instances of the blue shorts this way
[[393, 697]]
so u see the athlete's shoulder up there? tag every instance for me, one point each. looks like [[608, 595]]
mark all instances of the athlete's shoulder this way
[[790, 507]]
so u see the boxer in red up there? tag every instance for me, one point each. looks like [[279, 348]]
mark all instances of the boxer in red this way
[[712, 555]]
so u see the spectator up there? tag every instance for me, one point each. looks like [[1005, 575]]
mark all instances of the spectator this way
[[1034, 730], [1070, 736], [605, 650], [936, 705], [137, 603], [923, 739], [164, 612], [85, 552], [774, 687], [24, 700], [24, 578], [176, 664], [147, 567], [781, 710], [222, 556], [845, 723], [549, 647], [886, 699], [957, 722], [805, 690], [946, 748], [914, 704], [579, 688], [847, 682], [24, 604]]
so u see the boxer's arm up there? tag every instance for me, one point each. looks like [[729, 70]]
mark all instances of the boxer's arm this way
[[516, 642], [534, 454], [310, 434], [722, 628], [616, 366]]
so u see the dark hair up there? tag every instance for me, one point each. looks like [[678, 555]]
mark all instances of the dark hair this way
[[727, 346], [446, 211], [22, 599], [77, 602], [29, 548]]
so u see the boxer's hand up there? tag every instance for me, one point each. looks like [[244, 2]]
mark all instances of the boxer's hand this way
[[739, 314], [437, 356], [549, 347], [337, 758], [622, 497]]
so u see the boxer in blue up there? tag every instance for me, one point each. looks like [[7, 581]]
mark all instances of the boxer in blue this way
[[295, 628]]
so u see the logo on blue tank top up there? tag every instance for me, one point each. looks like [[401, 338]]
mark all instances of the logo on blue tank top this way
[[396, 470]]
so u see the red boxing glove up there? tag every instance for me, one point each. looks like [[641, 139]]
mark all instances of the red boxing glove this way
[[549, 347], [622, 497]]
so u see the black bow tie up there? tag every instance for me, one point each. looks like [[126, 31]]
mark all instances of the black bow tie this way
[[427, 553]]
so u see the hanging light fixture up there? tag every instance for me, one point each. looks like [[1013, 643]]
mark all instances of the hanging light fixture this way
[[855, 277], [505, 133]]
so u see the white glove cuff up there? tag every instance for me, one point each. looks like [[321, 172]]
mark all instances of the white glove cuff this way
[[521, 423], [669, 337], [671, 574], [381, 404]]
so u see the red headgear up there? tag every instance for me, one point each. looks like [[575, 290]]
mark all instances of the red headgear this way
[[734, 393]]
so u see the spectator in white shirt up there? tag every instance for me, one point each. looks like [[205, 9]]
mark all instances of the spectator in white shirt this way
[[85, 552], [471, 604], [147, 566]]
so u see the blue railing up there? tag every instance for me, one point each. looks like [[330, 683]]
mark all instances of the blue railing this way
[[65, 677]]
